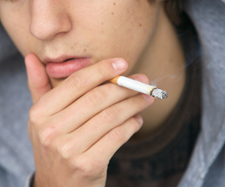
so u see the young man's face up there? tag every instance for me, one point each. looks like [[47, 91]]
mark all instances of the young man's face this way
[[80, 31]]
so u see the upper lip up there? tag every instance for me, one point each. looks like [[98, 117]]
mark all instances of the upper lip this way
[[59, 59]]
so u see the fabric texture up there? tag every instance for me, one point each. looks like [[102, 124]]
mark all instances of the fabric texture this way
[[16, 158], [208, 17]]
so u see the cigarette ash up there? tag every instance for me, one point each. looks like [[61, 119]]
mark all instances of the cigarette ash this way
[[158, 93]]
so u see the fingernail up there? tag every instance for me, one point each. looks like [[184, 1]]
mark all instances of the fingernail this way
[[139, 119], [119, 64]]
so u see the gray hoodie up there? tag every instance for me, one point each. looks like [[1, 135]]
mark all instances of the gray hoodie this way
[[207, 165]]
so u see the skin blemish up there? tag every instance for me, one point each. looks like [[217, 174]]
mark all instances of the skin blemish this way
[[170, 61], [85, 50], [102, 23], [140, 25], [102, 31], [112, 13], [114, 4]]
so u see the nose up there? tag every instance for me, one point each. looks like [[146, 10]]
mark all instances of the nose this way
[[48, 19]]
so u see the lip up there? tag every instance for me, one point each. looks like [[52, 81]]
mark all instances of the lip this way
[[63, 67]]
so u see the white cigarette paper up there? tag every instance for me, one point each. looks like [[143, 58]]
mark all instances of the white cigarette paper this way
[[139, 87]]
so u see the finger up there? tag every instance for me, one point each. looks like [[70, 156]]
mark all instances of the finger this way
[[38, 81], [103, 150], [81, 82], [94, 102], [89, 133]]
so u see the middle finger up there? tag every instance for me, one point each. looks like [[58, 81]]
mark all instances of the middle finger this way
[[92, 103]]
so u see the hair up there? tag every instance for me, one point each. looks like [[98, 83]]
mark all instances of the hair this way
[[173, 9]]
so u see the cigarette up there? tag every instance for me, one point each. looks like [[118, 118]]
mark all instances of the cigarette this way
[[139, 87]]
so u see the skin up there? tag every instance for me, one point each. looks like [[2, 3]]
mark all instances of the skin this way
[[75, 126]]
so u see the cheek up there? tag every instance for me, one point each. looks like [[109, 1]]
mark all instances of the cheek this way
[[16, 23], [124, 31]]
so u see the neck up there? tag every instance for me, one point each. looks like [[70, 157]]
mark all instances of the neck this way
[[163, 63]]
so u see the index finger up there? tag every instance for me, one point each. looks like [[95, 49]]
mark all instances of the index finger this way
[[80, 83]]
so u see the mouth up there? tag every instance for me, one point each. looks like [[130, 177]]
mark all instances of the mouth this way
[[65, 66]]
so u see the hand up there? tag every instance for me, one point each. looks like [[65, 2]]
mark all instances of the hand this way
[[76, 127]]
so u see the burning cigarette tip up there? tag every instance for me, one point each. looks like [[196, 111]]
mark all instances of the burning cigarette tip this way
[[158, 93]]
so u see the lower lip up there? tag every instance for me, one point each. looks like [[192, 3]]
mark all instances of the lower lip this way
[[65, 69]]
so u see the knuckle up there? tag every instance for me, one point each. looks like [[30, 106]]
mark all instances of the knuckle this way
[[101, 69], [109, 115], [134, 100], [117, 134], [64, 150], [90, 168], [123, 132], [84, 166], [34, 114], [47, 135], [96, 97], [74, 81]]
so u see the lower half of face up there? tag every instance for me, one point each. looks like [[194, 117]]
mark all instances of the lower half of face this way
[[70, 32]]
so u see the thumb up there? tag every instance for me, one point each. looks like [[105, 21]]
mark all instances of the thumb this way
[[38, 81]]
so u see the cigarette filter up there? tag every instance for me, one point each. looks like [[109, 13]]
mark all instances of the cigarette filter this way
[[139, 87]]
